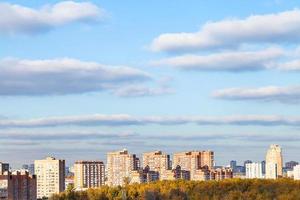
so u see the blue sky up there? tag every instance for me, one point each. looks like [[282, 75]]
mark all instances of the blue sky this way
[[81, 78]]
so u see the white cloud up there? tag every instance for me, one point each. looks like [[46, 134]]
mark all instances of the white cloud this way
[[269, 28], [270, 93], [142, 91], [225, 61], [128, 120], [292, 65], [63, 76], [19, 19]]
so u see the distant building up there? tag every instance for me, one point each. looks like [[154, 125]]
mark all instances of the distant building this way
[[144, 176], [175, 174], [193, 161], [120, 165], [274, 160], [233, 165], [296, 172], [29, 168], [220, 174], [271, 170], [290, 165], [89, 174], [18, 185], [50, 174], [247, 162], [69, 182], [4, 167], [254, 170], [157, 161], [290, 174], [263, 167]]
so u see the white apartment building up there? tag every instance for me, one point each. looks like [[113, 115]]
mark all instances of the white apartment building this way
[[271, 170], [254, 170], [296, 172]]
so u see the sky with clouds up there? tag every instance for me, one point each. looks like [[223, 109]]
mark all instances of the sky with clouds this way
[[81, 78]]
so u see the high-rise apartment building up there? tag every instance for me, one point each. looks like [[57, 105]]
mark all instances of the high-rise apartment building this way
[[254, 170], [193, 161], [50, 174], [157, 161], [120, 165], [88, 174], [18, 185], [274, 156]]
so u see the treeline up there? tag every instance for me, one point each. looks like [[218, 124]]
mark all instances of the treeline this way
[[230, 189]]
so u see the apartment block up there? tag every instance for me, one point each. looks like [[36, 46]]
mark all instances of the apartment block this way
[[144, 176], [89, 174], [157, 161], [193, 161], [221, 173], [120, 165], [18, 185], [50, 174], [254, 170]]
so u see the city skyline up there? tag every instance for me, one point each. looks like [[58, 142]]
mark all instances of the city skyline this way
[[82, 78]]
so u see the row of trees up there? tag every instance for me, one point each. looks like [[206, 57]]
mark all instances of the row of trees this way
[[230, 189]]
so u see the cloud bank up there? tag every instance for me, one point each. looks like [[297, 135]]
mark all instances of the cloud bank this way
[[225, 61], [63, 76], [267, 94], [128, 120], [19, 19], [283, 27]]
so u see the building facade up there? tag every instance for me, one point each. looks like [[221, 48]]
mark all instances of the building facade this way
[[4, 167], [193, 161], [157, 161], [254, 170], [274, 157], [50, 174], [271, 170], [296, 172], [120, 165], [89, 174], [18, 185]]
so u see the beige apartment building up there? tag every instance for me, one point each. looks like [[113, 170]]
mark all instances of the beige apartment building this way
[[120, 165], [157, 161], [50, 174], [194, 161], [88, 174], [274, 161]]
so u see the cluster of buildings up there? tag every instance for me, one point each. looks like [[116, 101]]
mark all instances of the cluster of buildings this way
[[49, 176], [123, 167]]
